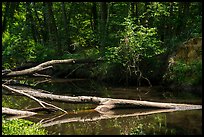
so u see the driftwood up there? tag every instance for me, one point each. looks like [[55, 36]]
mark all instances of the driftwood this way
[[106, 104]]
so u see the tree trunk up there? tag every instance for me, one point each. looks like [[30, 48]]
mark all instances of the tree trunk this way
[[53, 32], [103, 24], [66, 22], [31, 22], [9, 14], [5, 16], [180, 19], [185, 16], [41, 26], [145, 20], [94, 17], [170, 25], [132, 7], [45, 25]]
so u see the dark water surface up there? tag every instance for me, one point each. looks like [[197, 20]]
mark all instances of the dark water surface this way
[[83, 120]]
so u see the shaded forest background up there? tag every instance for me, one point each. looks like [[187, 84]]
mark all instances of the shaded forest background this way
[[133, 40]]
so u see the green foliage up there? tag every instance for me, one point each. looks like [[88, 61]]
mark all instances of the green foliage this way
[[182, 73], [141, 41], [30, 34], [17, 50], [137, 43], [9, 102], [21, 127]]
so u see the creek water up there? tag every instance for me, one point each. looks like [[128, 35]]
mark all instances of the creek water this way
[[83, 120]]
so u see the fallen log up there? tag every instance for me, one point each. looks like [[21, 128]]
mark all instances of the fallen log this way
[[37, 68], [106, 104], [17, 112], [46, 65]]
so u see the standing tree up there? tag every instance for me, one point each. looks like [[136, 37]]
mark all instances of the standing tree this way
[[103, 24], [54, 38]]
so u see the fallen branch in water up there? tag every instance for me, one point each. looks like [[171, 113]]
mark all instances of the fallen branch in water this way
[[105, 104], [30, 96], [17, 112]]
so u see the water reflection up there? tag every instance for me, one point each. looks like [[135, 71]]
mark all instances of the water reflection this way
[[174, 123]]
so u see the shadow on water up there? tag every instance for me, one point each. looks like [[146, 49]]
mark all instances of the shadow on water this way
[[83, 120]]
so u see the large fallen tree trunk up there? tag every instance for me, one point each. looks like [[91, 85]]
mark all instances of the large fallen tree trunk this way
[[106, 104]]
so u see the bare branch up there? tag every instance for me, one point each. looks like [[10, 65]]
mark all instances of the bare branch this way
[[39, 67], [30, 96], [20, 92]]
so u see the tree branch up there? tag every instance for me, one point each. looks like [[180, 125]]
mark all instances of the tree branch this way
[[30, 96], [39, 67]]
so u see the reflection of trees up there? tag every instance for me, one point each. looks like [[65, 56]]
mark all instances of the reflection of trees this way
[[157, 126], [110, 126], [179, 123], [115, 123]]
